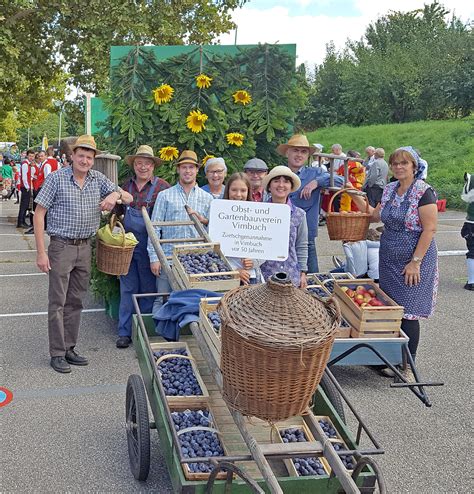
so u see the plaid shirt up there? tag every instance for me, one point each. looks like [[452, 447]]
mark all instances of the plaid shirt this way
[[73, 212], [170, 207], [139, 196]]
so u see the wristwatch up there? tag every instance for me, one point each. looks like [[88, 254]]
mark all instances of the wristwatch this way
[[417, 259]]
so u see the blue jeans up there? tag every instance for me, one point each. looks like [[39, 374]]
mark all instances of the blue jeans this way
[[312, 256], [162, 286], [139, 279]]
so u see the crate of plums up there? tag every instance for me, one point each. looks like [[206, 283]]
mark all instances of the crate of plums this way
[[337, 441], [211, 325], [327, 279], [368, 309], [204, 266], [198, 437], [179, 374], [344, 330], [319, 291], [301, 467]]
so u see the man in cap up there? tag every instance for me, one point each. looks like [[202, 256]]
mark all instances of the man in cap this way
[[256, 169], [297, 150], [144, 188], [170, 206], [74, 198]]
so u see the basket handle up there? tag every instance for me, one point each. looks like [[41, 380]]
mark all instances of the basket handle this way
[[334, 309], [349, 191], [115, 222], [172, 355], [198, 428]]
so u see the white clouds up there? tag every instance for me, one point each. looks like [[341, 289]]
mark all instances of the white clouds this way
[[311, 33]]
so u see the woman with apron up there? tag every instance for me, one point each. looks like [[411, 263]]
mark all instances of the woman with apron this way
[[144, 187]]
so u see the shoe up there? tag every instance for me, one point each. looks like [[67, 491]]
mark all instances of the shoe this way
[[408, 375], [469, 286], [322, 221], [123, 342], [59, 364], [387, 372], [337, 262], [16, 202], [75, 359], [22, 225], [30, 231]]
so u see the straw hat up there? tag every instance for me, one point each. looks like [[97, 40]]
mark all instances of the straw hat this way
[[87, 142], [296, 141], [280, 171], [188, 157], [143, 151]]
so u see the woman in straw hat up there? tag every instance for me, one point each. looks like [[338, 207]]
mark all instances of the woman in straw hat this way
[[280, 183], [144, 187]]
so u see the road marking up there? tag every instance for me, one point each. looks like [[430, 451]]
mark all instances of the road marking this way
[[20, 274], [446, 253], [69, 391], [13, 235], [15, 251], [26, 314]]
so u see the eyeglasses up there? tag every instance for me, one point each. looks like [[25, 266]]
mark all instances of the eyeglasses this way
[[400, 163], [216, 172], [255, 172]]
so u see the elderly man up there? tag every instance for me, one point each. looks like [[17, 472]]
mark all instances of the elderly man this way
[[370, 152], [256, 169], [297, 150], [74, 198], [376, 178], [170, 206], [144, 188]]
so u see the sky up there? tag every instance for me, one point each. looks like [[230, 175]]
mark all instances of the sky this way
[[311, 24]]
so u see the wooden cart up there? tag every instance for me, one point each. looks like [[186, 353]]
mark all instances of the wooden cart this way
[[253, 463]]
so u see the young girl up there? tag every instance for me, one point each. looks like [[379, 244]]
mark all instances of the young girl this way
[[238, 189]]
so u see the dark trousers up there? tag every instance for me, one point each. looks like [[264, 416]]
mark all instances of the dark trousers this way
[[374, 195], [68, 283], [24, 205]]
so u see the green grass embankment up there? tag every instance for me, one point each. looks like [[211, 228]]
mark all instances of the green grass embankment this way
[[447, 146]]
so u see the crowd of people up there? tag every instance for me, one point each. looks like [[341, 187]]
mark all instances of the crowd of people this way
[[74, 197]]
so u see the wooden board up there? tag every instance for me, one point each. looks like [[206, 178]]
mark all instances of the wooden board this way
[[186, 401], [195, 280], [376, 322], [212, 338]]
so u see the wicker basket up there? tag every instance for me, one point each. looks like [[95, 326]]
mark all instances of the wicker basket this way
[[114, 259], [351, 227], [276, 341]]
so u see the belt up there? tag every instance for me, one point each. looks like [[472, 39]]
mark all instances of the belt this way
[[71, 241]]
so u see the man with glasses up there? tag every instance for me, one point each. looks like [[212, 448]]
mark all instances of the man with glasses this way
[[256, 169]]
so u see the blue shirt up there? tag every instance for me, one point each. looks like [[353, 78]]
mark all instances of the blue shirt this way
[[73, 212], [169, 206], [208, 190], [311, 206]]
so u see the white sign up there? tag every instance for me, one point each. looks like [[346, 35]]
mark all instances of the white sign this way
[[257, 230]]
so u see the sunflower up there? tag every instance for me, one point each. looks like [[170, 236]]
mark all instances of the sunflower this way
[[169, 153], [242, 97], [207, 157], [163, 94], [203, 81], [196, 120], [235, 139]]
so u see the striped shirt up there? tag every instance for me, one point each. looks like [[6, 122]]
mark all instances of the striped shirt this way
[[73, 212], [169, 206]]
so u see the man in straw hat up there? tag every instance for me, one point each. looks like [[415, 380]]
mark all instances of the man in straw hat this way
[[74, 198], [297, 150], [170, 206], [144, 188]]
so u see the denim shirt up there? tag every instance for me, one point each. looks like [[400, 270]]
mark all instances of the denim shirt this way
[[311, 206]]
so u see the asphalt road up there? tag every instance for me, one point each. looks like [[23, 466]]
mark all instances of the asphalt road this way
[[66, 432]]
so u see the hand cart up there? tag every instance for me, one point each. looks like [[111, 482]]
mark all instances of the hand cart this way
[[252, 458]]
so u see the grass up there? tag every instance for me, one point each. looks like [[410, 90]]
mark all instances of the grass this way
[[447, 146]]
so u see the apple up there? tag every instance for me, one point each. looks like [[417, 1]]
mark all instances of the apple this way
[[350, 293], [359, 299], [360, 289], [372, 292], [375, 302], [367, 297], [344, 288]]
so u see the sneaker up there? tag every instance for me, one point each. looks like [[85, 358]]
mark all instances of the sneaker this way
[[123, 342], [338, 263], [59, 364], [469, 286]]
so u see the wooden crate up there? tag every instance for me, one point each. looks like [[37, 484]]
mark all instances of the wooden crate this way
[[195, 280], [289, 463], [212, 338], [345, 445], [180, 407], [342, 276], [344, 331], [313, 278], [184, 401], [321, 291], [338, 437], [369, 321]]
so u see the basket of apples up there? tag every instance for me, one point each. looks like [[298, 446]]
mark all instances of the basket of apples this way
[[368, 309]]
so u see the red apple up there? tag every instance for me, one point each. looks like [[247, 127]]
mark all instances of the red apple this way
[[350, 293], [372, 292], [359, 299], [360, 289]]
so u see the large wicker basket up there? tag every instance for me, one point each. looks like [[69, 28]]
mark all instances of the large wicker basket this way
[[114, 259], [276, 341], [349, 226]]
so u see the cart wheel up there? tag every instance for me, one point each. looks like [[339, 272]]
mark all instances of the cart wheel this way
[[333, 394], [138, 427]]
